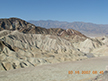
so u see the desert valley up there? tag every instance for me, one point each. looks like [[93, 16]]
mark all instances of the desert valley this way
[[33, 53]]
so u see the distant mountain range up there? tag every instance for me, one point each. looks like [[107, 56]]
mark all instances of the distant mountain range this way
[[85, 28]]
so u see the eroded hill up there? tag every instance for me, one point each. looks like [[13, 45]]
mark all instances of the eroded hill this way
[[23, 44]]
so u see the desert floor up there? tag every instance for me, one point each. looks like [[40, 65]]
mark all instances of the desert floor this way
[[57, 72]]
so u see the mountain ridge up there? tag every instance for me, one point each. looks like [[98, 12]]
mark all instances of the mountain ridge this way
[[23, 44], [85, 28], [28, 28]]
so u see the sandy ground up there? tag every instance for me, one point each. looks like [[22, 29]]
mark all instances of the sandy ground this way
[[57, 72]]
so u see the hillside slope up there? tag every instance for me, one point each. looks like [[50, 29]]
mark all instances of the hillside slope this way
[[18, 50], [28, 28], [23, 44]]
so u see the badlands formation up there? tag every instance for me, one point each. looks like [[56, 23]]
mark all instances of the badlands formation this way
[[24, 45]]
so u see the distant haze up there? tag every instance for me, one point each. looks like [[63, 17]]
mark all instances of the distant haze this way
[[89, 29]]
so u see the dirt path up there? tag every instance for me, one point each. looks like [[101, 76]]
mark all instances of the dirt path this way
[[57, 72]]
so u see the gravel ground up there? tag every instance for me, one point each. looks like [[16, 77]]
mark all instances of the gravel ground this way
[[101, 77], [58, 72]]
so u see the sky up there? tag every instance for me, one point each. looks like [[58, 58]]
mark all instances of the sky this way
[[93, 11]]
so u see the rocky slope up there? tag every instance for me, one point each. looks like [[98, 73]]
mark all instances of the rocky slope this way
[[94, 47], [28, 28], [18, 50], [23, 44], [59, 71], [102, 77], [88, 45]]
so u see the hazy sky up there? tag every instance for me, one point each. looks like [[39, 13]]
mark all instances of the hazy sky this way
[[94, 11]]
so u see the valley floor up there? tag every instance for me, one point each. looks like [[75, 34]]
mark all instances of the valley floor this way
[[57, 72]]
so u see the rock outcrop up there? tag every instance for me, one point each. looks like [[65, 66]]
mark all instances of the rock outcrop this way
[[101, 77], [103, 50], [23, 44], [88, 45], [28, 28], [20, 50]]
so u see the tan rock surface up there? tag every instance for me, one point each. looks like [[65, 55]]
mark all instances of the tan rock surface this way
[[88, 45], [28, 28], [23, 50], [57, 72]]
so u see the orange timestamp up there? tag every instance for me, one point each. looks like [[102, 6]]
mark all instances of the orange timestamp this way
[[85, 72]]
